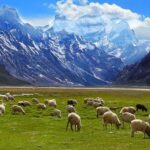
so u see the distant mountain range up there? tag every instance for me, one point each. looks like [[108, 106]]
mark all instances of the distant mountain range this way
[[44, 56], [137, 74]]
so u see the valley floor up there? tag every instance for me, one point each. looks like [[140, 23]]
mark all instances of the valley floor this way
[[37, 130]]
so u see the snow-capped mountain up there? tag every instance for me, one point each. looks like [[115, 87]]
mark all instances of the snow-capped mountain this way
[[113, 35], [42, 56]]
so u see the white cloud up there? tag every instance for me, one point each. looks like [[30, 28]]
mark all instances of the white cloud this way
[[96, 12], [40, 21]]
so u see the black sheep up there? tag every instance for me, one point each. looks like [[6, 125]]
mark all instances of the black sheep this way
[[72, 102], [141, 107]]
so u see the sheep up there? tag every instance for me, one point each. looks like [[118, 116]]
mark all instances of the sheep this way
[[141, 107], [127, 117], [94, 102], [74, 119], [5, 98], [24, 103], [17, 109], [87, 99], [57, 113], [140, 125], [51, 102], [72, 102], [97, 104], [100, 100], [35, 101], [10, 97], [90, 103], [70, 109], [101, 110], [129, 109], [111, 118], [2, 108], [41, 106]]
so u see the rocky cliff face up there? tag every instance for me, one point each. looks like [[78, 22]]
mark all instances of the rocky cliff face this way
[[138, 74]]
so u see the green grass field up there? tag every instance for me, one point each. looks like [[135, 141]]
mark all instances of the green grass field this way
[[37, 130]]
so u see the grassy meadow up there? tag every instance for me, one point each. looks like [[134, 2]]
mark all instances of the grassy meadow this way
[[37, 130]]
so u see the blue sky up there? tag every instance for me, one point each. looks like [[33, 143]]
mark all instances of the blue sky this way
[[33, 8]]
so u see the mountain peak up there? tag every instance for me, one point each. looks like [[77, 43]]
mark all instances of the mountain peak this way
[[8, 13]]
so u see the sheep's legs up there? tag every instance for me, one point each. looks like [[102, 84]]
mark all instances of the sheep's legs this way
[[71, 127], [67, 125], [132, 133]]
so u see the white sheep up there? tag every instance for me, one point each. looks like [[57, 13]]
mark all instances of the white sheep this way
[[17, 109], [41, 106], [10, 97], [129, 109], [127, 117], [70, 109], [96, 104], [90, 103], [24, 103], [51, 102], [88, 99], [100, 100], [140, 125], [35, 101], [101, 110], [5, 98], [57, 113], [74, 119], [2, 108], [111, 118]]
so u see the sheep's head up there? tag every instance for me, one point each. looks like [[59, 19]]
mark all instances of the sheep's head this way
[[79, 126], [118, 124]]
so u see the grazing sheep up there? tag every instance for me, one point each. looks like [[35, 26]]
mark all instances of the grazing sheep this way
[[70, 109], [101, 110], [88, 99], [57, 113], [127, 117], [17, 109], [41, 106], [51, 102], [129, 109], [90, 103], [5, 98], [141, 107], [140, 125], [74, 119], [97, 104], [100, 100], [10, 97], [111, 118], [24, 103], [94, 102], [35, 101], [72, 102], [2, 108]]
